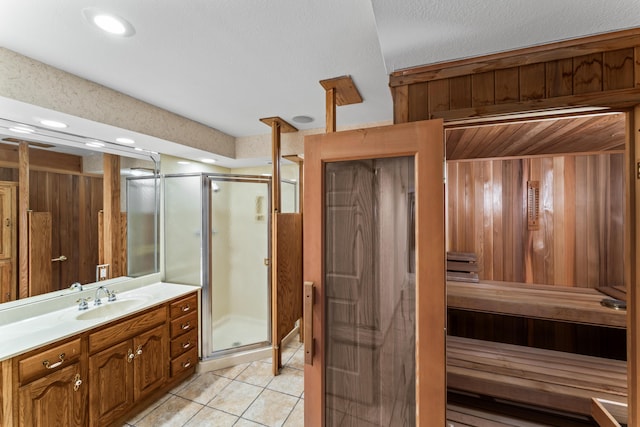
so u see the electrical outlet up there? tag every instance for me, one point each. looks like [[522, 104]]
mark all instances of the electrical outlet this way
[[102, 272]]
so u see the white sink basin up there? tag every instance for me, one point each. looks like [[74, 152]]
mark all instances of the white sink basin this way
[[111, 309]]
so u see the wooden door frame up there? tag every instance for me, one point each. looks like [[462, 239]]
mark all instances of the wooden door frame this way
[[409, 139]]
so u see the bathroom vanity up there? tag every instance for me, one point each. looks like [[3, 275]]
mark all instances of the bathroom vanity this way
[[106, 362]]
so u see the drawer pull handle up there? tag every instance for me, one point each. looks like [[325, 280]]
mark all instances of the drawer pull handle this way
[[77, 383], [186, 308], [55, 365], [185, 326], [186, 364], [186, 344], [130, 356]]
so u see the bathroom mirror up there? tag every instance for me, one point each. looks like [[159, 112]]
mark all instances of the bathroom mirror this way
[[66, 189]]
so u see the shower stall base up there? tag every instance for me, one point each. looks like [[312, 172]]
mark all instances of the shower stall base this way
[[228, 360], [234, 330]]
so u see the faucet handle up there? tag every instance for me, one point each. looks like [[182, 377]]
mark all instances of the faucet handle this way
[[83, 303], [111, 295], [76, 285]]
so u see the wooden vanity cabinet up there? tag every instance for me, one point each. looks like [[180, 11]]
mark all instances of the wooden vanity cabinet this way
[[184, 336], [102, 376], [127, 362], [52, 387]]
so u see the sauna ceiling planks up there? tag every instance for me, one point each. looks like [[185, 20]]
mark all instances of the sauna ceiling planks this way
[[587, 134]]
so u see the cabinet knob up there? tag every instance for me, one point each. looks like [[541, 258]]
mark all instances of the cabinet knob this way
[[77, 383], [139, 350], [130, 356]]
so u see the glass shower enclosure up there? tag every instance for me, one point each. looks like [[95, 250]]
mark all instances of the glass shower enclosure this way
[[217, 235]]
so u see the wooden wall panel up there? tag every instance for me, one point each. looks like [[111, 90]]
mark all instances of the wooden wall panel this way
[[507, 88], [532, 82], [618, 69], [587, 73], [598, 71], [559, 75], [580, 238]]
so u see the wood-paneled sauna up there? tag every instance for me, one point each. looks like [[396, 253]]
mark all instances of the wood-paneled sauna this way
[[541, 147]]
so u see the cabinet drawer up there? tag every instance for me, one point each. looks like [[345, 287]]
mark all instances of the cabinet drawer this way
[[48, 361], [123, 330], [184, 324], [184, 343], [183, 306], [184, 362]]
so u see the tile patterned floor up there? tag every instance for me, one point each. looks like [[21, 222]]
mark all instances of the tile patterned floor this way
[[241, 396]]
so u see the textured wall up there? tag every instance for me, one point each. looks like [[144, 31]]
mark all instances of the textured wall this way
[[33, 82]]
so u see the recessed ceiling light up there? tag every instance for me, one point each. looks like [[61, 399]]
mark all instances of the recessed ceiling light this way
[[302, 119], [21, 129], [125, 140], [94, 144], [108, 22], [184, 162], [210, 161], [53, 124]]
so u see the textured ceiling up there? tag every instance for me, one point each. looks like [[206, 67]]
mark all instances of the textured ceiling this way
[[227, 63]]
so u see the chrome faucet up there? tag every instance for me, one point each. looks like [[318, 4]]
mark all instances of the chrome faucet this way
[[76, 285], [111, 295]]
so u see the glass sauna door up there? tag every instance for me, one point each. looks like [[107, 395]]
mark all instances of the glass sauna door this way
[[374, 250], [239, 266]]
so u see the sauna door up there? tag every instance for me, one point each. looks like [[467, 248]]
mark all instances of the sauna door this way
[[374, 272]]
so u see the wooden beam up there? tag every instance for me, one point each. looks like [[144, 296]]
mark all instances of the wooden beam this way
[[346, 91], [23, 226], [632, 263], [111, 217], [339, 91], [278, 125]]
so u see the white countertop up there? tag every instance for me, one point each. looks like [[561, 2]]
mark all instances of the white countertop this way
[[24, 333]]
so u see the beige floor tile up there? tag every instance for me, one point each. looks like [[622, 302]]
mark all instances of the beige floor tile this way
[[271, 408], [175, 412], [150, 408], [209, 417], [297, 360], [258, 373], [204, 388], [296, 418], [231, 372], [290, 381], [236, 397], [246, 423]]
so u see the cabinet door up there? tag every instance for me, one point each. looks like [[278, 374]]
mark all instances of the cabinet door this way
[[111, 379], [150, 363], [59, 399]]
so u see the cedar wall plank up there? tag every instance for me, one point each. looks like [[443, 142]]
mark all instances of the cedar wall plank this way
[[580, 239], [418, 102], [459, 92], [532, 81], [439, 95], [483, 89], [559, 76], [618, 69], [587, 73], [507, 87]]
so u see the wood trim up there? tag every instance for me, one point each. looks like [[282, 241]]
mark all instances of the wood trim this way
[[111, 217], [547, 52], [623, 98], [23, 226], [41, 160], [601, 415], [632, 264], [330, 98]]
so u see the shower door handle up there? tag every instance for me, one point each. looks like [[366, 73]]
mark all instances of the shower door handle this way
[[308, 322]]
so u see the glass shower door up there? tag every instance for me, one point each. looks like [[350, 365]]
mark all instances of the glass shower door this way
[[239, 262]]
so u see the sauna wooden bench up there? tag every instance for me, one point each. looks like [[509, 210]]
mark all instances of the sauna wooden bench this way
[[543, 378], [559, 303]]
